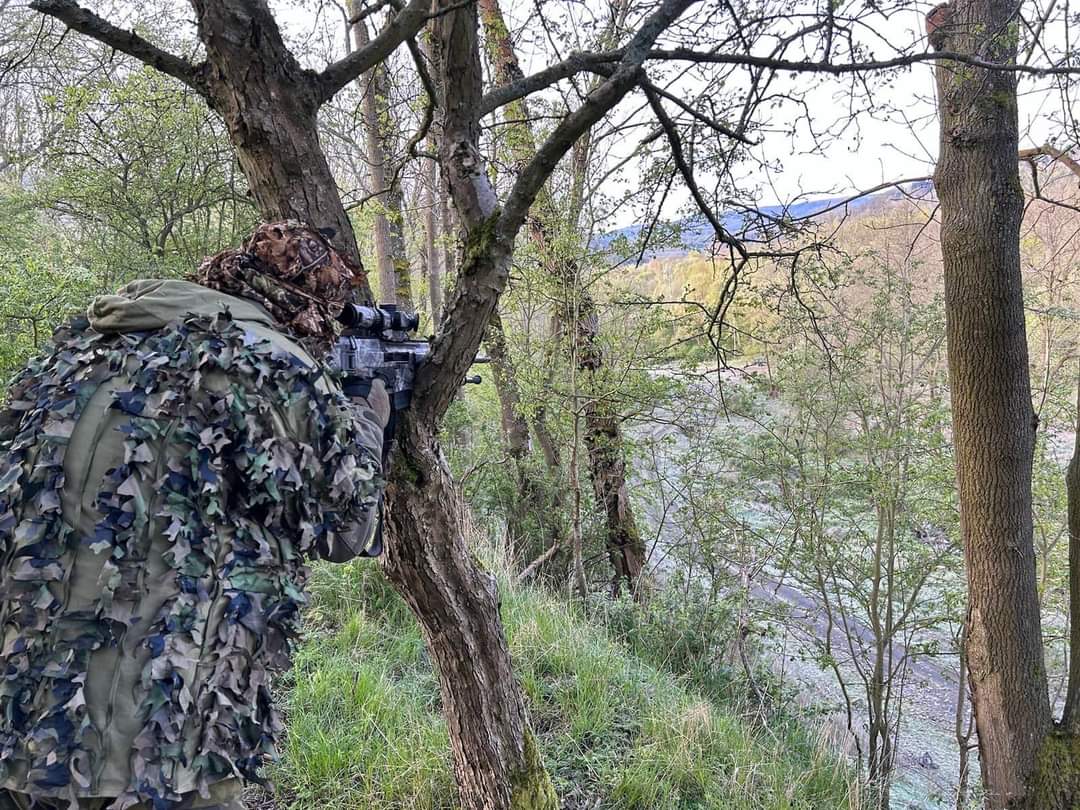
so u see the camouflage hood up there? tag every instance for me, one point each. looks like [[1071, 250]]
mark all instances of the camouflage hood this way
[[153, 303]]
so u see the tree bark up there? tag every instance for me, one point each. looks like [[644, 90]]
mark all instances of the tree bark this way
[[496, 761], [978, 185], [1070, 717], [270, 107]]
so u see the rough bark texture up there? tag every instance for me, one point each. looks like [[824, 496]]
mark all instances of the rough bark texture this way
[[1070, 718], [496, 762], [978, 184], [270, 106]]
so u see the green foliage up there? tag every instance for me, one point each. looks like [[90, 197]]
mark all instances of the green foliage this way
[[137, 180], [42, 281], [683, 628], [365, 729], [145, 170]]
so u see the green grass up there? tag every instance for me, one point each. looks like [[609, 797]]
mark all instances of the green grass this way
[[365, 730]]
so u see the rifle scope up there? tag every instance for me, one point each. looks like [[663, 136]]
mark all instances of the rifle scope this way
[[386, 317]]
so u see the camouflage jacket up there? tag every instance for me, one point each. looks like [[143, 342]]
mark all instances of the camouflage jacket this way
[[165, 471]]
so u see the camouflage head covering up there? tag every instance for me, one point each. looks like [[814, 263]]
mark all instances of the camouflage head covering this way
[[293, 271]]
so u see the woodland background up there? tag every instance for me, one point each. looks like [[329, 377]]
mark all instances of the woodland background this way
[[711, 462]]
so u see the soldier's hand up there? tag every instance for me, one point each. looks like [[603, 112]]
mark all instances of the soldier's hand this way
[[378, 402]]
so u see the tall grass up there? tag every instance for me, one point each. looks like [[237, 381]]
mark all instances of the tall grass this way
[[365, 730]]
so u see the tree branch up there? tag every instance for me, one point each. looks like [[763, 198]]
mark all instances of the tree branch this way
[[404, 25], [806, 66], [626, 75], [1060, 155], [87, 22], [582, 62], [491, 232], [712, 123], [687, 173], [575, 63]]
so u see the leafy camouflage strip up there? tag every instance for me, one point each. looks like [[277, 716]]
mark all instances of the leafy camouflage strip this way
[[42, 706], [236, 499]]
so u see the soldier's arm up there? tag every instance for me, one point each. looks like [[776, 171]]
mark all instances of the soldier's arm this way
[[369, 416]]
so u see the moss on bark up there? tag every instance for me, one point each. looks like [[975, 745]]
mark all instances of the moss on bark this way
[[478, 244], [531, 787], [1055, 783]]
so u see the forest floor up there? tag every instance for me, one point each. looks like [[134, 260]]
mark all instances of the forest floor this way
[[364, 728]]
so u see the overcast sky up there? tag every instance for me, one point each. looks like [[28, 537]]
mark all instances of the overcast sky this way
[[897, 140]]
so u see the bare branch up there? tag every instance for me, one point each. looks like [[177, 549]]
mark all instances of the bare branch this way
[[582, 62], [806, 66], [367, 11], [87, 22], [688, 175], [535, 565], [575, 63], [1059, 155], [627, 74], [430, 103], [712, 123], [404, 25]]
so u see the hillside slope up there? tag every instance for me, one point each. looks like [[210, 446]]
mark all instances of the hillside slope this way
[[364, 728]]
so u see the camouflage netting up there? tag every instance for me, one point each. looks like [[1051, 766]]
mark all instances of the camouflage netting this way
[[242, 505], [290, 269]]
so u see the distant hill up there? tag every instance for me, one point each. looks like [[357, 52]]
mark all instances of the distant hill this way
[[695, 234]]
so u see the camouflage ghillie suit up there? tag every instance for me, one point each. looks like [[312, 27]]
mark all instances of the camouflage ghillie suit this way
[[166, 469]]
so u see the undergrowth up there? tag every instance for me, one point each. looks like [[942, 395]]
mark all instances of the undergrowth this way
[[365, 729]]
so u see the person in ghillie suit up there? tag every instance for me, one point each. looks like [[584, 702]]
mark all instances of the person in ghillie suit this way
[[167, 468]]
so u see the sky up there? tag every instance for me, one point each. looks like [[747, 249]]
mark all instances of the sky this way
[[898, 140]]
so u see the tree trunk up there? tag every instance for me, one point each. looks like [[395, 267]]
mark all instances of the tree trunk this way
[[978, 184], [431, 241], [391, 258], [603, 435], [496, 760], [1070, 717], [607, 470], [270, 108], [515, 428]]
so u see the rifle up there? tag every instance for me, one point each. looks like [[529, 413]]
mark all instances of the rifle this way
[[378, 343]]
